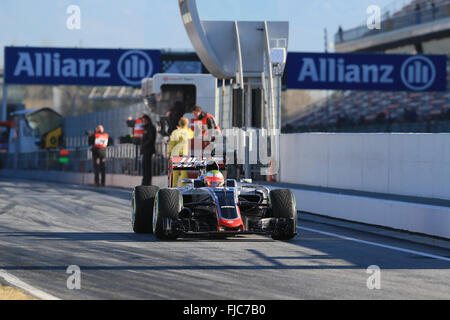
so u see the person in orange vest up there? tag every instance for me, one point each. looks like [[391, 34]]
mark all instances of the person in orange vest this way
[[138, 129], [99, 142]]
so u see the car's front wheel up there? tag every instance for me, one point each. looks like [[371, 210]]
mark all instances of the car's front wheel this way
[[168, 204], [284, 206], [142, 208]]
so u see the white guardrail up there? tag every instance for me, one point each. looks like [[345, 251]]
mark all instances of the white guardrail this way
[[399, 164], [402, 164]]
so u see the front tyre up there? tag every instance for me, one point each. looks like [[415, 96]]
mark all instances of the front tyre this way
[[284, 207], [142, 209], [168, 205]]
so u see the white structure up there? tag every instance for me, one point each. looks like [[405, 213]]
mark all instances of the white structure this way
[[250, 54], [163, 91], [411, 165]]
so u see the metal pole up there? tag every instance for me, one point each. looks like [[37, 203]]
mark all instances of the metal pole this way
[[3, 114], [248, 168], [272, 102], [327, 92], [278, 131]]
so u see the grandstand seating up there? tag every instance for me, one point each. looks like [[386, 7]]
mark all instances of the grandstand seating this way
[[364, 107], [350, 109]]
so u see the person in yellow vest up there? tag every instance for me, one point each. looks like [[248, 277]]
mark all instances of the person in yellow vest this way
[[99, 142], [179, 144]]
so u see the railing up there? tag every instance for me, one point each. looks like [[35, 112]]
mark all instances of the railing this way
[[121, 159], [433, 126], [390, 23]]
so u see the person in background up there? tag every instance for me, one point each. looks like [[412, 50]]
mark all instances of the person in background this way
[[138, 129], [418, 10], [208, 125], [434, 10], [179, 144], [147, 149], [208, 122], [136, 137], [174, 115], [99, 142], [341, 34]]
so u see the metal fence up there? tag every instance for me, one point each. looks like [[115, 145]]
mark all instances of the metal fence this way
[[121, 159], [113, 120], [395, 22]]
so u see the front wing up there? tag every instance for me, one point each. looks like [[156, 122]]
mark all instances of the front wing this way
[[267, 226]]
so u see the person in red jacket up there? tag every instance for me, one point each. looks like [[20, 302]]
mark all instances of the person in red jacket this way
[[208, 126], [207, 121], [99, 142]]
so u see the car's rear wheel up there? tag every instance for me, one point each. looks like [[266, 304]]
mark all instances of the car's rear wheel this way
[[168, 205], [284, 206], [142, 209]]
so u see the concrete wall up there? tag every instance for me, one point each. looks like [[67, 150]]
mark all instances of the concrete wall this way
[[403, 164], [405, 216]]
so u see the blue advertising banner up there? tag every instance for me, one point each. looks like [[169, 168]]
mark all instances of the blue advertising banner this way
[[89, 67], [381, 72]]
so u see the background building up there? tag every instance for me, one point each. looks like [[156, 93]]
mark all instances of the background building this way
[[418, 27]]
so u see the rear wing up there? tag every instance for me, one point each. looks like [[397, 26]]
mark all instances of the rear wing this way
[[198, 164], [194, 163]]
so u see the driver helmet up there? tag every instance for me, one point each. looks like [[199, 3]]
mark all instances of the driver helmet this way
[[214, 179]]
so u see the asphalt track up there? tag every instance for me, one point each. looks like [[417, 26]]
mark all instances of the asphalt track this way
[[46, 227]]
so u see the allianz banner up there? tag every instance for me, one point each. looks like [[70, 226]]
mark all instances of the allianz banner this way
[[90, 67], [388, 72]]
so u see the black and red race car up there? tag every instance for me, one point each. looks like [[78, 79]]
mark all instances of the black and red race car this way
[[231, 210]]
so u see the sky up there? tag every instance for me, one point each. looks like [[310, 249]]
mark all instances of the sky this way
[[155, 24]]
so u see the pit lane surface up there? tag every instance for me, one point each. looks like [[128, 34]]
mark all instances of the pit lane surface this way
[[46, 227]]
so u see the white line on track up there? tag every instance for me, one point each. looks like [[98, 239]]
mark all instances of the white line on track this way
[[423, 254], [16, 282]]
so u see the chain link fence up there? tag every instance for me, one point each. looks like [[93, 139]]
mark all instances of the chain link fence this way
[[114, 122], [121, 159]]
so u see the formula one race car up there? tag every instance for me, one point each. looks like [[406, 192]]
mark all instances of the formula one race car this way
[[212, 206]]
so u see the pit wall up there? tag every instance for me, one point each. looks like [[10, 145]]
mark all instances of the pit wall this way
[[399, 164]]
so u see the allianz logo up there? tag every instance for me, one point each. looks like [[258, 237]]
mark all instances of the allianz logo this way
[[132, 67], [417, 72]]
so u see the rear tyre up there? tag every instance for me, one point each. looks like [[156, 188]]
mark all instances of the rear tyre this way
[[142, 205], [168, 204], [284, 206]]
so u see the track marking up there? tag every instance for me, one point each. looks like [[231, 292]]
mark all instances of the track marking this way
[[16, 282], [423, 254]]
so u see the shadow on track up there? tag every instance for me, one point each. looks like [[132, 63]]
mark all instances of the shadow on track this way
[[121, 237]]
